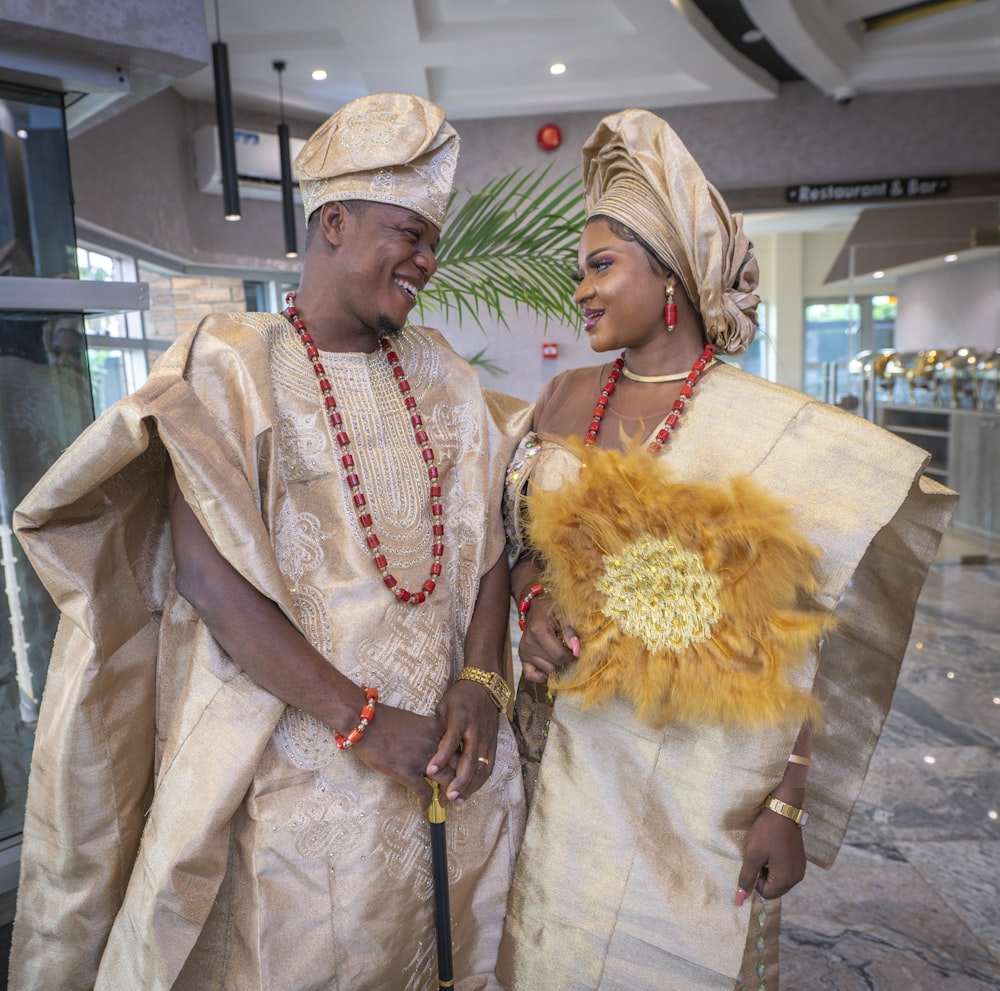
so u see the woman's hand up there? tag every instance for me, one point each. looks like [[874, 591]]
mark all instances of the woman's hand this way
[[546, 646], [775, 858]]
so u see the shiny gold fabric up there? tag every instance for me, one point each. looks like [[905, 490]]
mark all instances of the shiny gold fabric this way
[[387, 147], [185, 829], [637, 171], [629, 867]]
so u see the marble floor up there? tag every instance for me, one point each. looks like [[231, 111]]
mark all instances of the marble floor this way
[[913, 900]]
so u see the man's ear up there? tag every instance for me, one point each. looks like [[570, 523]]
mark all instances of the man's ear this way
[[334, 217]]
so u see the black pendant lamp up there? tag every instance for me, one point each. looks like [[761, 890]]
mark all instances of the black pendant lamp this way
[[287, 189], [224, 119]]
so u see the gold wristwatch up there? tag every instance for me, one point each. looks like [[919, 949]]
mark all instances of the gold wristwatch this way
[[799, 816], [498, 688]]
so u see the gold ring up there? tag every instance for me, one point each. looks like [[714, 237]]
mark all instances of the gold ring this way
[[484, 760]]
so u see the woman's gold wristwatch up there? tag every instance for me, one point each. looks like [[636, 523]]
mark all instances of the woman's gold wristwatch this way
[[799, 816], [493, 683]]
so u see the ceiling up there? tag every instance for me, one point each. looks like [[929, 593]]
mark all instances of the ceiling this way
[[491, 58]]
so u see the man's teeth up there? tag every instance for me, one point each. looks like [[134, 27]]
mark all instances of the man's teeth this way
[[408, 288]]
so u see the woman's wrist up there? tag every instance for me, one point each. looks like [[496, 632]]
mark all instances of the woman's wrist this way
[[792, 794], [535, 589], [525, 573]]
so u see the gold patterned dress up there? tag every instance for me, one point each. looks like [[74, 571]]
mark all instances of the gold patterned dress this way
[[636, 832], [185, 828]]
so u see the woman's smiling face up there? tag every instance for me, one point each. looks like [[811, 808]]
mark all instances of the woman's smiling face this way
[[620, 295]]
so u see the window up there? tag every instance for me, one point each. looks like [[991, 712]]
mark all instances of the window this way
[[836, 331], [117, 352], [36, 214], [757, 358]]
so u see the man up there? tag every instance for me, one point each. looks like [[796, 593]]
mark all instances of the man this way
[[333, 479], [68, 347]]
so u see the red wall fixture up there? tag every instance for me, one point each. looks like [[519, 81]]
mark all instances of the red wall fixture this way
[[549, 137]]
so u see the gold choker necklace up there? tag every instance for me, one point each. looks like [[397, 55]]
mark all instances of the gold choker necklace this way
[[676, 377]]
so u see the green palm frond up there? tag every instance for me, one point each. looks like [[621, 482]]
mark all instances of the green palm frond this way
[[515, 242], [483, 362]]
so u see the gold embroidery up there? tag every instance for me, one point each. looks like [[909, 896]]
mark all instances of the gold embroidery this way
[[660, 592], [370, 129]]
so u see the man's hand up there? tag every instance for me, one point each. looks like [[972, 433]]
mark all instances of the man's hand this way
[[399, 744], [469, 742]]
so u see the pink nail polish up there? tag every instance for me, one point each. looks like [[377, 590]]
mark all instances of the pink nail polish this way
[[741, 896]]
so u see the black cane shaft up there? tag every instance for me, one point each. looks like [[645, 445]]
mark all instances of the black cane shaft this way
[[442, 909]]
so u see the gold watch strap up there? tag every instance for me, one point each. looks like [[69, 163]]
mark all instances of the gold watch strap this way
[[493, 683], [799, 816]]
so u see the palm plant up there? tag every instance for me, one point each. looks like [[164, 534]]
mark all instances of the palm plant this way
[[515, 242]]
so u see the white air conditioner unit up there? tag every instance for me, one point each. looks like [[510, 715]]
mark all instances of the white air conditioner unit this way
[[258, 162]]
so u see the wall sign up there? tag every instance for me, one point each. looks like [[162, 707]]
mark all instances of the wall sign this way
[[550, 350], [870, 189]]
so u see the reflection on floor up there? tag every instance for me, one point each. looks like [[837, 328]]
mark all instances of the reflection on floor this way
[[913, 900]]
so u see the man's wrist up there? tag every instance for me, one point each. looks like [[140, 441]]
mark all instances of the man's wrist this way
[[493, 683]]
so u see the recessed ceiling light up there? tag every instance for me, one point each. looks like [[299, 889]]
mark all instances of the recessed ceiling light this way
[[22, 133], [929, 759], [752, 36], [878, 275], [951, 258], [319, 74], [557, 68]]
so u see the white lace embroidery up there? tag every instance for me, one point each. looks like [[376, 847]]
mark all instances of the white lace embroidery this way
[[302, 444], [297, 542], [304, 740], [329, 821]]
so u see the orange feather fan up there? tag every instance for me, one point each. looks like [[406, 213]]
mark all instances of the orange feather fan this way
[[693, 601]]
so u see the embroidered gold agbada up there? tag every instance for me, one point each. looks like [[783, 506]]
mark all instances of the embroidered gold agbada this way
[[185, 829], [631, 857]]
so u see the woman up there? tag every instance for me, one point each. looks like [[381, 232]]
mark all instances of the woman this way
[[701, 565]]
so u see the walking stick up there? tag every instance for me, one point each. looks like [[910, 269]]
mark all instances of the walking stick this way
[[442, 909]]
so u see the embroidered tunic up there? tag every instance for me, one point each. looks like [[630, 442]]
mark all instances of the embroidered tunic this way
[[186, 829]]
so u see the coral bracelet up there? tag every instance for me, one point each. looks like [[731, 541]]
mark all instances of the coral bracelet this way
[[525, 604], [365, 717]]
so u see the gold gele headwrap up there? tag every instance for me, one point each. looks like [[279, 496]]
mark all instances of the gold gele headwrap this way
[[637, 171], [386, 147]]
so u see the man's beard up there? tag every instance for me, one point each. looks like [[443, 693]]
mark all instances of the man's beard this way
[[385, 326]]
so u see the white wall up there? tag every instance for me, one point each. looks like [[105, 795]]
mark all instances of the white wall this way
[[955, 306]]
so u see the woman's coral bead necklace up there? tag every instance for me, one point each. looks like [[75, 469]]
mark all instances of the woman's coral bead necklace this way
[[350, 472], [663, 434]]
